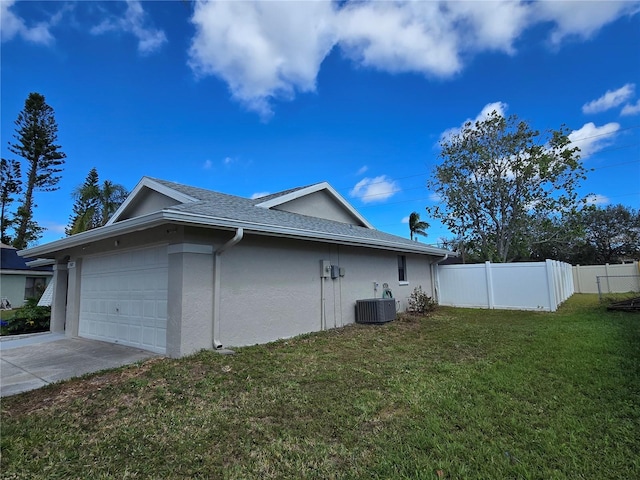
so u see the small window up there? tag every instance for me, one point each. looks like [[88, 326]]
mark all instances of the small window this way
[[34, 287], [402, 268]]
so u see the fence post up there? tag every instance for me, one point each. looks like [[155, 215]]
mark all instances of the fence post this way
[[489, 279], [551, 289], [606, 272], [577, 276]]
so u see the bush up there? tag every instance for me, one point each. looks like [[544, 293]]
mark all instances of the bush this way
[[27, 319], [420, 303]]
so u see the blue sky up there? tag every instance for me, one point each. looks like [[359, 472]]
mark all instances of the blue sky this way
[[256, 97]]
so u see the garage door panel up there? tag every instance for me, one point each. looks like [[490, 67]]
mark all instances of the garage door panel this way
[[124, 298]]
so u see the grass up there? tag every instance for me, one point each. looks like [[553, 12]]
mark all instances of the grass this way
[[462, 394]]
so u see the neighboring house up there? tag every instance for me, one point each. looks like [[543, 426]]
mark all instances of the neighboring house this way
[[178, 269], [19, 280]]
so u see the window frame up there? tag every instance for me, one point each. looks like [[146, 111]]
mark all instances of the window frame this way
[[403, 278]]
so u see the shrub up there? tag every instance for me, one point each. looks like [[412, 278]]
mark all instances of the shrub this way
[[29, 318], [420, 303]]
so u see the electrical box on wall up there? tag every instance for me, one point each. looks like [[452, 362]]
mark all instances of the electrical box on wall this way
[[325, 268], [341, 271], [335, 271]]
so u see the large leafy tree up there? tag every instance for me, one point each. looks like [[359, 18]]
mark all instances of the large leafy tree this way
[[94, 203], [496, 176], [612, 234], [36, 136], [10, 185], [417, 226]]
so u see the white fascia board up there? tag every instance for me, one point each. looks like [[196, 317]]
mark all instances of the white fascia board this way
[[27, 273], [171, 216], [126, 226], [151, 184], [303, 192], [290, 232], [40, 262]]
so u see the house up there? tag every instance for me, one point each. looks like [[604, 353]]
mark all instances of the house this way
[[20, 279], [178, 269]]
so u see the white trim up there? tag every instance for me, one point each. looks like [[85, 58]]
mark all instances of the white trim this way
[[190, 248], [27, 273], [40, 262], [171, 216], [303, 192], [403, 283], [151, 184]]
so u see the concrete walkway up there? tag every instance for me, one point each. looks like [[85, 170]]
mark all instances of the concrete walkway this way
[[32, 361]]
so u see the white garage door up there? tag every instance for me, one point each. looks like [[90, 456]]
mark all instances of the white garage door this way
[[123, 298]]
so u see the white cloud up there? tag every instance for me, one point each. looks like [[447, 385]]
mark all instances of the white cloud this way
[[228, 160], [362, 170], [591, 139], [207, 164], [597, 200], [274, 50], [580, 19], [435, 197], [11, 26], [499, 107], [405, 219], [376, 189], [611, 99], [259, 195], [55, 227], [631, 109], [262, 49], [135, 22]]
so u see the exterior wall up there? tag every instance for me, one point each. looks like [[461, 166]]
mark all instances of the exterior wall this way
[[190, 299], [150, 202], [321, 205], [12, 285], [623, 278], [271, 288]]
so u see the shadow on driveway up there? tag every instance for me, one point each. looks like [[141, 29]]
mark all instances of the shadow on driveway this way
[[28, 362]]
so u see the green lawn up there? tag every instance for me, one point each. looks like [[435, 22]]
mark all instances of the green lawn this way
[[463, 394]]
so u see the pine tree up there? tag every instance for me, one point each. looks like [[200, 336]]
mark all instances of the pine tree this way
[[10, 185], [36, 135]]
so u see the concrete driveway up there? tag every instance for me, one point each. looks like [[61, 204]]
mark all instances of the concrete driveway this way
[[32, 361]]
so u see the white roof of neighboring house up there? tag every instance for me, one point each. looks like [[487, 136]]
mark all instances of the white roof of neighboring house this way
[[206, 208]]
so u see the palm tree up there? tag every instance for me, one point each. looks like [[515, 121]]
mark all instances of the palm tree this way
[[416, 226], [94, 203], [112, 195]]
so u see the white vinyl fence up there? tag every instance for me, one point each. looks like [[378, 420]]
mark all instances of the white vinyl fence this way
[[619, 278], [510, 286]]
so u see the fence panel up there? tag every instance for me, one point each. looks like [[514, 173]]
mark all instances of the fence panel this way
[[585, 276], [514, 286]]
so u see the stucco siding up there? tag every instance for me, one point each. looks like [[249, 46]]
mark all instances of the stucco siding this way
[[271, 288], [148, 202], [321, 205]]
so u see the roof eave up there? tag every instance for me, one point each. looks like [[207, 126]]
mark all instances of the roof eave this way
[[125, 226], [290, 232], [172, 216]]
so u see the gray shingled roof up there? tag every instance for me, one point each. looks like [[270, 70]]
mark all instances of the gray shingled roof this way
[[231, 207]]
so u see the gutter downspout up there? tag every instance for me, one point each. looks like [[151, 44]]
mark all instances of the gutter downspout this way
[[216, 285], [435, 281]]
